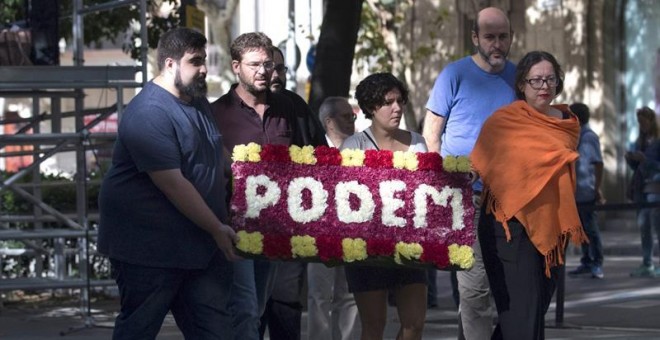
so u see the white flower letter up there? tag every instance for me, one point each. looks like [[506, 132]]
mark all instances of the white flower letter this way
[[392, 204], [440, 198], [255, 202], [295, 203], [344, 212]]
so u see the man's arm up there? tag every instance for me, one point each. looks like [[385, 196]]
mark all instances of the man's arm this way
[[190, 203], [433, 127]]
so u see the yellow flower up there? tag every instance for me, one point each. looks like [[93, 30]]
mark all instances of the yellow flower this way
[[246, 153], [408, 250], [398, 160], [304, 155], [252, 243], [405, 160], [463, 164], [352, 157], [449, 163], [239, 153], [461, 256], [410, 160], [355, 249], [253, 150], [303, 246]]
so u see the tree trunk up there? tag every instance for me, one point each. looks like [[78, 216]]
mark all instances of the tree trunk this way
[[334, 52]]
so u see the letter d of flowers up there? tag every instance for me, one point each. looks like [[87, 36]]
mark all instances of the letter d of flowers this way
[[344, 211]]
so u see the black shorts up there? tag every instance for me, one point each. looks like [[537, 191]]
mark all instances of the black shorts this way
[[364, 278]]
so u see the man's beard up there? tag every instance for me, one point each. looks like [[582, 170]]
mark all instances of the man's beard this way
[[196, 89], [250, 87], [486, 57], [279, 88]]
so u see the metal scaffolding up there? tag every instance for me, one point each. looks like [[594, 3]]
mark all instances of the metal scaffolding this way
[[57, 83]]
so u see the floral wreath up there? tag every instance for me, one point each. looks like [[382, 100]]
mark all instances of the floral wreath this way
[[337, 207]]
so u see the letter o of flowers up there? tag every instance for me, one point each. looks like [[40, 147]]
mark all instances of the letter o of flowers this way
[[295, 204]]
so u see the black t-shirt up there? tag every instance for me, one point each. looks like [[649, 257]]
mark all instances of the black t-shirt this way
[[138, 223]]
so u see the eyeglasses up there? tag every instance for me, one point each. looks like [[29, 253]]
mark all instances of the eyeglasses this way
[[348, 116], [268, 66], [537, 83], [280, 68]]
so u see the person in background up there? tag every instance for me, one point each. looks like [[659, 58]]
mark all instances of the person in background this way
[[644, 159], [283, 312], [331, 308], [466, 93], [338, 120], [529, 211], [162, 203], [307, 121], [589, 176], [382, 97], [249, 112]]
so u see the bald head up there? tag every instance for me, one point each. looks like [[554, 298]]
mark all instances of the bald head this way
[[490, 16], [492, 38]]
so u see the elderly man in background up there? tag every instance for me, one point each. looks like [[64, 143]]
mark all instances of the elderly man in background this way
[[331, 308], [283, 312]]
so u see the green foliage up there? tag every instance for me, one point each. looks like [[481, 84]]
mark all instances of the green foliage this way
[[381, 17], [110, 25], [11, 11], [60, 197], [99, 26], [371, 49], [157, 26]]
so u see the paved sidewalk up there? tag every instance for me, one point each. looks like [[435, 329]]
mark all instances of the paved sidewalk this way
[[616, 307]]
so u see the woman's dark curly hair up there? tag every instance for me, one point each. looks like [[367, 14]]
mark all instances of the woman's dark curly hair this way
[[370, 92], [525, 64]]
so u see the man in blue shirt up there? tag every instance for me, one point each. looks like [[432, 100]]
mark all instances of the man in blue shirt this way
[[162, 203], [466, 93], [589, 174]]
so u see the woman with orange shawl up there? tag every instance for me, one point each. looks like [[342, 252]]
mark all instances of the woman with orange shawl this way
[[526, 156]]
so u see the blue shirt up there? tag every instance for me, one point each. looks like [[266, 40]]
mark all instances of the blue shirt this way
[[466, 96], [139, 224], [589, 150]]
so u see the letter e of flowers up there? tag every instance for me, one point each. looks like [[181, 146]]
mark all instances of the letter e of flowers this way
[[391, 204]]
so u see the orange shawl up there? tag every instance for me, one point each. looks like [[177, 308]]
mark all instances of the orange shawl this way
[[526, 160]]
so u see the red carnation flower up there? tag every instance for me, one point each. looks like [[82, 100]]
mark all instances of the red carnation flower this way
[[378, 159], [277, 246], [429, 161], [329, 247], [435, 253], [327, 156], [275, 153], [380, 247]]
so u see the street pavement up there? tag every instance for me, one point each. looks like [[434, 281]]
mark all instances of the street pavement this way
[[615, 307]]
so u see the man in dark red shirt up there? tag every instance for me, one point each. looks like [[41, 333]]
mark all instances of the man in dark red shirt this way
[[249, 112]]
